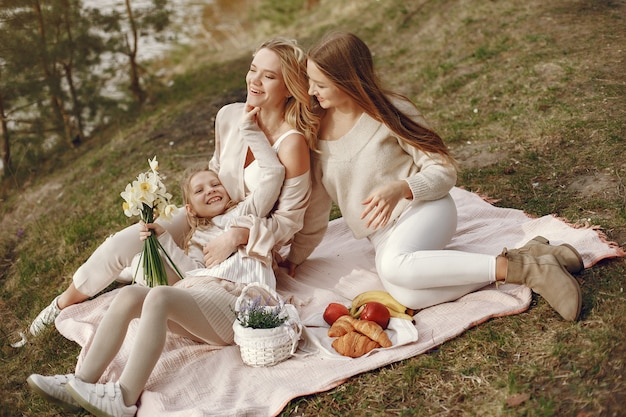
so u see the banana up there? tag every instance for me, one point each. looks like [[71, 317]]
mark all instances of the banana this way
[[392, 313], [397, 315], [382, 297], [358, 311]]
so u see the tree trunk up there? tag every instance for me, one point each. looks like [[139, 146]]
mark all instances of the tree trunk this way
[[62, 120], [135, 85], [68, 67], [80, 136], [6, 143]]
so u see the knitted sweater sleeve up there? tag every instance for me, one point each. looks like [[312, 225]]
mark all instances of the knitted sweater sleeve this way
[[435, 178], [270, 222], [272, 172], [274, 211], [214, 162], [283, 222], [315, 221]]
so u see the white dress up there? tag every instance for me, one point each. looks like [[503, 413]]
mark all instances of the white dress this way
[[239, 267]]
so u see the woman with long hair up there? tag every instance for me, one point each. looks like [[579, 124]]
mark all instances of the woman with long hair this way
[[391, 174], [277, 85], [200, 307]]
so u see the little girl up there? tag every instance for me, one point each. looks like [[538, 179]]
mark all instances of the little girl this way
[[199, 307], [210, 212]]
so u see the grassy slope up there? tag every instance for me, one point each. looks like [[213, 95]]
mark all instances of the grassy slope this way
[[529, 96]]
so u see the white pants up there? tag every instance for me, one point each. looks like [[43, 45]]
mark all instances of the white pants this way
[[108, 261], [413, 264]]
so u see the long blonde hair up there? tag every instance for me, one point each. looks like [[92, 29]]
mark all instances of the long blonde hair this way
[[298, 109], [185, 188], [347, 61]]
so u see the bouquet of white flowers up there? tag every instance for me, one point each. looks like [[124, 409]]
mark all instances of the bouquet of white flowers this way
[[147, 198]]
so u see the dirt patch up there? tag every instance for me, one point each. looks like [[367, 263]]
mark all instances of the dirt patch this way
[[598, 184], [33, 202], [478, 155]]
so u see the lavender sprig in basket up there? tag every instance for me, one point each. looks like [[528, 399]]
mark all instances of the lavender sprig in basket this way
[[267, 330]]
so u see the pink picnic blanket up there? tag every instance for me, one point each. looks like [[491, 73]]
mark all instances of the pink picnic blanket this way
[[194, 379]]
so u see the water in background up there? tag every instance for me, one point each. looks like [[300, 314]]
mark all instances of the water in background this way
[[214, 23], [208, 23]]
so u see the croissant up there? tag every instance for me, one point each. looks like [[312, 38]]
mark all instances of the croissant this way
[[372, 330], [354, 344], [341, 326]]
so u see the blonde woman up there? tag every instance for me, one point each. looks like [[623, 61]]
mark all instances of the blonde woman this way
[[277, 85], [200, 306]]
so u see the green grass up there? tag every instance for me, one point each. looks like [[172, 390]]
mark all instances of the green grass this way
[[548, 137]]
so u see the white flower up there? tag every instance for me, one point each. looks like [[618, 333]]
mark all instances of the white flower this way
[[146, 188], [147, 198], [149, 190], [127, 194], [130, 206], [154, 164], [169, 211], [131, 209]]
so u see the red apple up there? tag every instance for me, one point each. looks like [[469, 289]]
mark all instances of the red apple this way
[[377, 312], [334, 311]]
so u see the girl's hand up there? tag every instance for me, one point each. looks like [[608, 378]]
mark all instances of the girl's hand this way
[[381, 202], [220, 248], [147, 229]]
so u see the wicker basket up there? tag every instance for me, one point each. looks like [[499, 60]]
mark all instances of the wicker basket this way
[[266, 347]]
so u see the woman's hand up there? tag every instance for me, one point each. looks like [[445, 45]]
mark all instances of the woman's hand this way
[[249, 114], [147, 229], [291, 268], [220, 248], [381, 202]]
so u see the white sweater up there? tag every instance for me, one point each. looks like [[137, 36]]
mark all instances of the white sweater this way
[[348, 169], [286, 215]]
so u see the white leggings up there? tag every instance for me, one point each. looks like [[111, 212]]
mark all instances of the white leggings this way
[[160, 309], [116, 253], [414, 266]]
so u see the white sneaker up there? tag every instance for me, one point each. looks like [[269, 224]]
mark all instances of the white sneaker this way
[[45, 317], [52, 388], [102, 400]]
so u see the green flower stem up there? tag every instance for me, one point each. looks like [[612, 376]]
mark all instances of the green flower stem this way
[[154, 267], [180, 275], [154, 271]]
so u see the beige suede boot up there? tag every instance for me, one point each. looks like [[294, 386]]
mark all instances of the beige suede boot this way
[[565, 253], [547, 277]]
